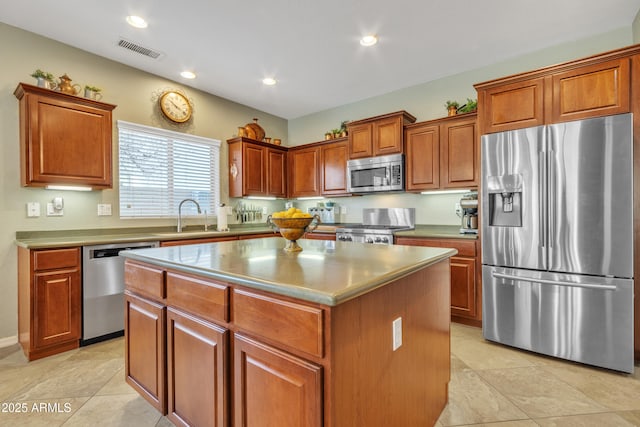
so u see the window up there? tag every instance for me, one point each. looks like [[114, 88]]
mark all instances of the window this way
[[160, 168]]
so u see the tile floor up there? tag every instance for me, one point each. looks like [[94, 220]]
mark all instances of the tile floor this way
[[491, 385]]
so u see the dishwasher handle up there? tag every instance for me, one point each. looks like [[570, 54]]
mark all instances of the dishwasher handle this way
[[112, 252]]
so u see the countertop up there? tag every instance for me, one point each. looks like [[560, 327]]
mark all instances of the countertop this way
[[70, 238], [437, 231], [325, 272]]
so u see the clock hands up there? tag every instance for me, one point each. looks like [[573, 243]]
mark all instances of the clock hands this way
[[184, 111]]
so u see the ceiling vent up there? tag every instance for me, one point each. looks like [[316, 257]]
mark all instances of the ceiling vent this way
[[134, 47]]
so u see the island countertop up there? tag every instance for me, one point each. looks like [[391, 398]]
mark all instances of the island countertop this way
[[325, 272]]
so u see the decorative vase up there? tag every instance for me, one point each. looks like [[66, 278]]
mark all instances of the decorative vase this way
[[92, 94], [452, 110], [47, 84]]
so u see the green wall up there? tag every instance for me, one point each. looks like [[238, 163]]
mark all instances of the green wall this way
[[133, 91]]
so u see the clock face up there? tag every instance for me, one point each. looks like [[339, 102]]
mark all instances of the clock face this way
[[175, 107]]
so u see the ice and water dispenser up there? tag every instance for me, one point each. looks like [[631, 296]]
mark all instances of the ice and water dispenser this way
[[505, 200]]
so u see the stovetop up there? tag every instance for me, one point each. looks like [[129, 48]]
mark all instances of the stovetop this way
[[368, 228]]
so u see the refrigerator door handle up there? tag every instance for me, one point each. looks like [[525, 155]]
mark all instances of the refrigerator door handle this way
[[542, 197], [553, 282], [551, 199]]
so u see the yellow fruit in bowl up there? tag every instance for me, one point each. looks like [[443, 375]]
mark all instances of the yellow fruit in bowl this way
[[301, 215]]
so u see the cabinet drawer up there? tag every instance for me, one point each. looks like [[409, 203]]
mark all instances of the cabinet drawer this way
[[464, 248], [205, 299], [145, 280], [56, 259], [294, 325]]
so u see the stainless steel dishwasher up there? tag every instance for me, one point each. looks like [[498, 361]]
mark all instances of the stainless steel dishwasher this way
[[103, 290]]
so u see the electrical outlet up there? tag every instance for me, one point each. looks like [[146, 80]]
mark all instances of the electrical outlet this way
[[396, 327], [104, 209], [343, 210], [33, 209], [52, 211], [264, 210], [458, 210]]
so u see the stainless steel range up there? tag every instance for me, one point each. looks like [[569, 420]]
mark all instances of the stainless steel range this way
[[378, 226]]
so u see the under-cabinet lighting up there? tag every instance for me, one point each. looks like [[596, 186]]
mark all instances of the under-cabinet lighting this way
[[68, 187], [136, 21], [446, 191], [261, 198], [311, 198]]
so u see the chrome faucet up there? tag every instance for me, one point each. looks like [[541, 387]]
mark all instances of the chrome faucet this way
[[180, 212]]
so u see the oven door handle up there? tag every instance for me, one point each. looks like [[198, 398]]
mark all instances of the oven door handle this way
[[553, 282]]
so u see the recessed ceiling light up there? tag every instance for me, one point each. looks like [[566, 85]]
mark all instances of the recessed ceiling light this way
[[136, 21], [188, 74], [369, 40], [269, 81]]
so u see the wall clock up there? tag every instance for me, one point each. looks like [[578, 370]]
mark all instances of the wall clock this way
[[175, 106]]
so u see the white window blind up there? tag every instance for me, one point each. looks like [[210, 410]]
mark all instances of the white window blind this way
[[160, 168]]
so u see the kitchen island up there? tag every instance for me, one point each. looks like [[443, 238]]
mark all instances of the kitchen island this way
[[243, 333]]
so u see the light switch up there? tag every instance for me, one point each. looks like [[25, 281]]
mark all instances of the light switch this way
[[33, 209]]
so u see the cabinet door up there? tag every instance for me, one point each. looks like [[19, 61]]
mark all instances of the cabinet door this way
[[273, 388], [57, 307], [459, 154], [66, 143], [596, 90], [387, 136], [276, 173], [333, 168], [360, 140], [463, 287], [513, 106], [145, 349], [422, 157], [303, 172], [196, 371], [254, 161]]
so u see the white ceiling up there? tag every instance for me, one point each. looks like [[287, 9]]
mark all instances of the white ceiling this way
[[311, 47]]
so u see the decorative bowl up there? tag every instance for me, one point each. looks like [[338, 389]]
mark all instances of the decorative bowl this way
[[293, 229]]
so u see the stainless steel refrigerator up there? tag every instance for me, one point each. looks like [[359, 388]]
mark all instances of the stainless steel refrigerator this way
[[557, 240]]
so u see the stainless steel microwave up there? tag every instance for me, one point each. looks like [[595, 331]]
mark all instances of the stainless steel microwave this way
[[373, 174]]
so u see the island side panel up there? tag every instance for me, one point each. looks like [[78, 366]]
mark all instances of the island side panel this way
[[370, 384]]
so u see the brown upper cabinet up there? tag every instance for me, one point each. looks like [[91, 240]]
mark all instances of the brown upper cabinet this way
[[318, 168], [333, 167], [64, 139], [592, 87], [304, 175], [442, 153], [378, 136], [256, 168]]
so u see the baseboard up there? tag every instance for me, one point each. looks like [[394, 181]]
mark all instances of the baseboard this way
[[8, 341]]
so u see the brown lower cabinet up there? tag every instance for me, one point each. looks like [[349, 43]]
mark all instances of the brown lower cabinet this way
[[49, 301], [196, 371], [466, 294], [270, 381], [145, 332], [236, 356]]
